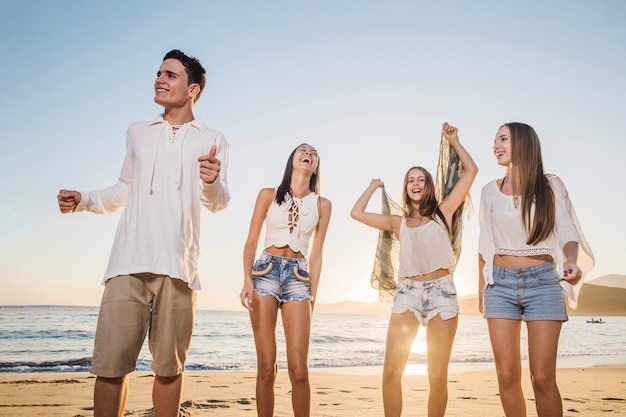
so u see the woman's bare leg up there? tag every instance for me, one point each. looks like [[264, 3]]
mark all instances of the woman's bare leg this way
[[400, 336], [263, 319]]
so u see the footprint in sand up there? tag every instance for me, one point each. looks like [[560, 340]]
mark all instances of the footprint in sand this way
[[572, 400], [244, 401], [204, 405]]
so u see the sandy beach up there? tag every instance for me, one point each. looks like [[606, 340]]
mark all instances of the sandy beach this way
[[586, 392]]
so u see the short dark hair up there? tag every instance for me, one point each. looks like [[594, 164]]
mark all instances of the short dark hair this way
[[195, 71]]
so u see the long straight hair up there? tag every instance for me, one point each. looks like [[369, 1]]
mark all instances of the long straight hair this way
[[285, 186], [530, 183]]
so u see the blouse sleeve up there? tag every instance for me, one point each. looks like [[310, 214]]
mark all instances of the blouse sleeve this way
[[486, 246], [567, 229]]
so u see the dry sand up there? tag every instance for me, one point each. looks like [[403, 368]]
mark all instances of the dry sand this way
[[588, 392]]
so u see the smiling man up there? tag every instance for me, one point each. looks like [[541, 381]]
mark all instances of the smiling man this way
[[174, 165]]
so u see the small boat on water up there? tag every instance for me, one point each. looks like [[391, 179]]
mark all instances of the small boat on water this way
[[596, 321]]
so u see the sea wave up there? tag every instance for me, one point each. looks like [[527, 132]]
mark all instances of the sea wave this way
[[60, 339], [142, 365], [73, 365], [84, 364]]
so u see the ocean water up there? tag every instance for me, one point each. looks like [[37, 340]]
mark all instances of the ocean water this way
[[60, 339]]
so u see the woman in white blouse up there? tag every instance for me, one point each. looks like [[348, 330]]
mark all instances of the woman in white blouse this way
[[528, 258]]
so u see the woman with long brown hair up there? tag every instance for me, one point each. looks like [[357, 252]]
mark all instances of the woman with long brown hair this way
[[528, 258], [428, 234]]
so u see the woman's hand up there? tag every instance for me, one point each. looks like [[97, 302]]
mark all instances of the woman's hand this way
[[450, 133], [246, 294], [377, 183], [571, 272]]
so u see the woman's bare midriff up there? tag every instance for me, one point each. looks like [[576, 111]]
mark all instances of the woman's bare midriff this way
[[284, 252], [508, 261], [439, 273]]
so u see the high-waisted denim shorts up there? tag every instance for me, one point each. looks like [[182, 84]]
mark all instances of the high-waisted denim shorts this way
[[285, 279], [530, 294], [426, 299]]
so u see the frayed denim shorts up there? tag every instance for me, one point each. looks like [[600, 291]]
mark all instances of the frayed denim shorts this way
[[427, 299], [285, 279], [530, 294]]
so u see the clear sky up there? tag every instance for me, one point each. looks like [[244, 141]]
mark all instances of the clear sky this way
[[368, 83]]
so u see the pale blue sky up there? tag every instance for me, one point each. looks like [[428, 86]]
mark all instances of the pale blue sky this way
[[367, 82]]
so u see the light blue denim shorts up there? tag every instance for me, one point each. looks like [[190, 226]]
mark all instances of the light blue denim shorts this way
[[285, 279], [426, 299], [529, 294]]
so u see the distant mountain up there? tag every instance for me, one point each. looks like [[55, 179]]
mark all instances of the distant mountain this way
[[600, 300], [469, 305], [595, 300], [612, 280], [602, 296], [354, 307]]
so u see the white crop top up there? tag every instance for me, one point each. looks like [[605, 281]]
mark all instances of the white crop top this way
[[424, 249], [292, 223], [503, 218], [502, 232]]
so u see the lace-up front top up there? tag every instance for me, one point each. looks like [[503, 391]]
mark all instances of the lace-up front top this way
[[292, 223]]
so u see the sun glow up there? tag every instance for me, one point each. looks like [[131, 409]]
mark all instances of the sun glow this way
[[418, 348], [419, 344]]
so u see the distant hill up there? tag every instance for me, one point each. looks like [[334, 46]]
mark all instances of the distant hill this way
[[600, 300], [603, 296], [354, 307], [595, 300], [612, 280], [469, 305]]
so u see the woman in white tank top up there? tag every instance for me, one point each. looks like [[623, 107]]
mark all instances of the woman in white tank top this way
[[286, 275], [425, 291]]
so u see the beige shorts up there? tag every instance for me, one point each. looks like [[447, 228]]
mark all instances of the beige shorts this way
[[139, 304]]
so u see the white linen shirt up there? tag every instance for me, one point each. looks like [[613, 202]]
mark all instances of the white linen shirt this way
[[502, 232], [161, 188]]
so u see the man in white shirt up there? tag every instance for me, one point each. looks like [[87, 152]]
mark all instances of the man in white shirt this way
[[174, 165]]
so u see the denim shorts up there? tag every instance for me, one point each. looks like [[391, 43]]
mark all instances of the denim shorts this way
[[529, 294], [426, 299], [285, 279]]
